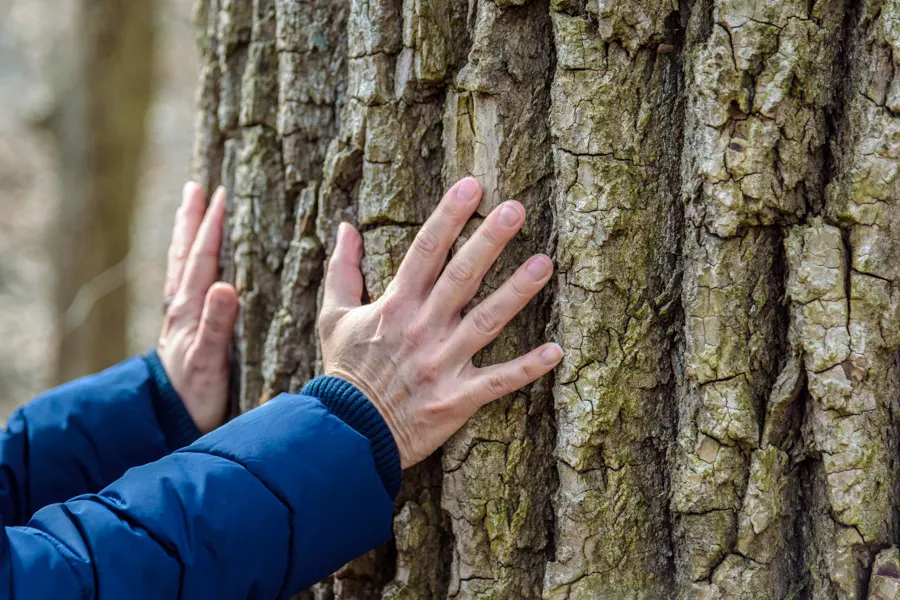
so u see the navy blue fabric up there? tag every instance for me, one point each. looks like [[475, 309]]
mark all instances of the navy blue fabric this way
[[174, 420], [261, 508], [349, 404], [79, 438]]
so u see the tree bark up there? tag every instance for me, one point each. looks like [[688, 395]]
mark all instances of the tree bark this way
[[718, 183]]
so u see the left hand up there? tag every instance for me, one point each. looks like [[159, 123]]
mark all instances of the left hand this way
[[197, 330]]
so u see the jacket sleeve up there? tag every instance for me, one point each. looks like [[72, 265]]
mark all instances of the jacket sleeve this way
[[261, 508], [82, 436]]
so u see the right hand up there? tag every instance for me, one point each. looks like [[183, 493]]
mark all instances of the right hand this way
[[410, 352]]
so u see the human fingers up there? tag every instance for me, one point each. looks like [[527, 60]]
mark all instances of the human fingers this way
[[426, 257], [491, 383], [485, 322], [187, 222], [460, 280], [202, 268], [343, 280]]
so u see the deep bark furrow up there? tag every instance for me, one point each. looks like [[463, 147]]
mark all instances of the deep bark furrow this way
[[495, 127], [855, 391], [299, 99], [754, 151], [718, 181], [208, 148], [615, 103]]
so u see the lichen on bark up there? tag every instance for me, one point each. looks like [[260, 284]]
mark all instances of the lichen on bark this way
[[717, 182]]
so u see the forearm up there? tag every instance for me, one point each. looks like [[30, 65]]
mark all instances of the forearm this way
[[264, 506], [80, 437]]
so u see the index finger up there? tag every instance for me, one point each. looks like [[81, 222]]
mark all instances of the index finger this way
[[428, 253], [187, 222], [202, 269]]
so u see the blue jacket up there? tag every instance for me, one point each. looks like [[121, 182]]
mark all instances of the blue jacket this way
[[261, 508]]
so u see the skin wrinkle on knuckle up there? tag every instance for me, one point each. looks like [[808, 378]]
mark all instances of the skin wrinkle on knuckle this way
[[426, 243], [416, 335], [520, 286], [460, 271], [491, 235], [526, 371], [427, 371], [204, 251], [497, 385], [391, 304], [485, 321]]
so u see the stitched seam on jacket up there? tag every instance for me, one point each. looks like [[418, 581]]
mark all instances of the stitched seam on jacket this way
[[84, 539], [67, 557], [290, 557]]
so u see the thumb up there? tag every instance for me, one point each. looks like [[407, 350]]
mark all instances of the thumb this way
[[344, 280]]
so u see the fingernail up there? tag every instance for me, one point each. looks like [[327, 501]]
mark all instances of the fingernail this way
[[509, 215], [551, 354], [538, 267], [186, 193], [467, 190]]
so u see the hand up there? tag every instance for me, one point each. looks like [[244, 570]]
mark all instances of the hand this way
[[197, 330], [411, 351]]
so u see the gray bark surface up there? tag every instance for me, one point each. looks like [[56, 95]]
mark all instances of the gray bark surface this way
[[717, 181]]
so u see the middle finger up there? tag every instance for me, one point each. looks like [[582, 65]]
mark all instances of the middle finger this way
[[460, 280]]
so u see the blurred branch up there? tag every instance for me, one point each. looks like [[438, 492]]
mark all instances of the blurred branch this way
[[102, 285]]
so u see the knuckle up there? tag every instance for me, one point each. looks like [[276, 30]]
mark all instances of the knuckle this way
[[485, 320], [491, 236], [427, 371], [527, 373], [519, 287], [459, 271], [426, 243], [177, 252], [180, 307], [498, 385], [416, 334], [202, 251], [391, 304]]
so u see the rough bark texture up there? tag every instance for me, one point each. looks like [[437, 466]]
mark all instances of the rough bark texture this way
[[718, 183]]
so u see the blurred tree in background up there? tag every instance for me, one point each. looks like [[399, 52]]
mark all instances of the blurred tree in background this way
[[99, 119], [75, 105]]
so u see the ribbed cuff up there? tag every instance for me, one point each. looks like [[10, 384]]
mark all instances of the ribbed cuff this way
[[352, 407], [174, 419]]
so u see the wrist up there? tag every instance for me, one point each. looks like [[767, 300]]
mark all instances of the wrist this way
[[176, 423], [385, 410]]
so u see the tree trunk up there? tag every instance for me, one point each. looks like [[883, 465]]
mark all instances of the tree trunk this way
[[105, 85], [718, 182]]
